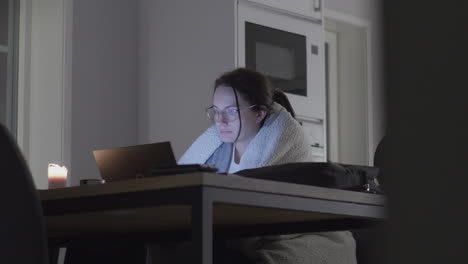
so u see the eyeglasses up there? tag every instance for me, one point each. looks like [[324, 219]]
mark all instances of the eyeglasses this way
[[229, 114]]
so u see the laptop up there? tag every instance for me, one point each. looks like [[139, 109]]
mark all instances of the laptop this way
[[132, 162]]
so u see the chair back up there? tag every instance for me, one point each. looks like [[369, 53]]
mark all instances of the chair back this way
[[22, 227]]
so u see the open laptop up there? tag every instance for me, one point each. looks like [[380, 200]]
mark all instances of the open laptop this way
[[132, 162], [141, 161]]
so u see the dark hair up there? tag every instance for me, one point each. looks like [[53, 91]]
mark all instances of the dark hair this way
[[282, 99], [255, 88]]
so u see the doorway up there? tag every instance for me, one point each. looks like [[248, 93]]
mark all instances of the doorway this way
[[348, 86]]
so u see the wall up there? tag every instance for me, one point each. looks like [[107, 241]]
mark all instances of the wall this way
[[369, 10], [104, 80], [183, 47], [67, 108], [42, 84], [357, 8], [175, 86]]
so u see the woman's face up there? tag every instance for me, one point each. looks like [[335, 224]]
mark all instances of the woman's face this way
[[224, 100]]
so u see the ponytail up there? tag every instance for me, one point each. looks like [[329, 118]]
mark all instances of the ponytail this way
[[281, 98]]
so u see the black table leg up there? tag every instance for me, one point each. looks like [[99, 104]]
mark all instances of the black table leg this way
[[202, 229]]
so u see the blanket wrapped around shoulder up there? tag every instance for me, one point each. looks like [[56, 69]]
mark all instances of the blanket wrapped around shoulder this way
[[280, 140]]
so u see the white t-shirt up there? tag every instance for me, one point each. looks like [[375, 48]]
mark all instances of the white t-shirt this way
[[234, 167]]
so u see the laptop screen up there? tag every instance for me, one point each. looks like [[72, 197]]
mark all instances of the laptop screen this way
[[125, 163]]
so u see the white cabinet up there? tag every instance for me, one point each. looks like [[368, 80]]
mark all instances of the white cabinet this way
[[315, 133], [289, 50], [308, 8]]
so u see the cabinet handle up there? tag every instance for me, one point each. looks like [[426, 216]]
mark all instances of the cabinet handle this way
[[316, 145], [317, 5]]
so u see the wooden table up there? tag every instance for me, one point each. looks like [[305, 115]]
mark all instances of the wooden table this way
[[195, 205]]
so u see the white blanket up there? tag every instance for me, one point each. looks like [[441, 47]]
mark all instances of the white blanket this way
[[280, 140]]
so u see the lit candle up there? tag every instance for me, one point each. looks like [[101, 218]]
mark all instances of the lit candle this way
[[57, 176]]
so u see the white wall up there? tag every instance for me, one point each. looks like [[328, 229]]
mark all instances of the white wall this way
[[104, 107], [180, 56], [369, 10], [357, 8], [42, 85]]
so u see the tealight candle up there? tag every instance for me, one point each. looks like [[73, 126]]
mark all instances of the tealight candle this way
[[57, 176]]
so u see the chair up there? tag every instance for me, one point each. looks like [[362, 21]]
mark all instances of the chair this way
[[22, 226]]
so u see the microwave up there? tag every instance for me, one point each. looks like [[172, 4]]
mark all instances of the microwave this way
[[289, 50]]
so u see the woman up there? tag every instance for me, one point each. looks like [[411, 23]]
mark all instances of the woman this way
[[247, 121], [251, 129]]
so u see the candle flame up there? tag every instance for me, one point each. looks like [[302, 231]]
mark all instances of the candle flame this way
[[57, 171]]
